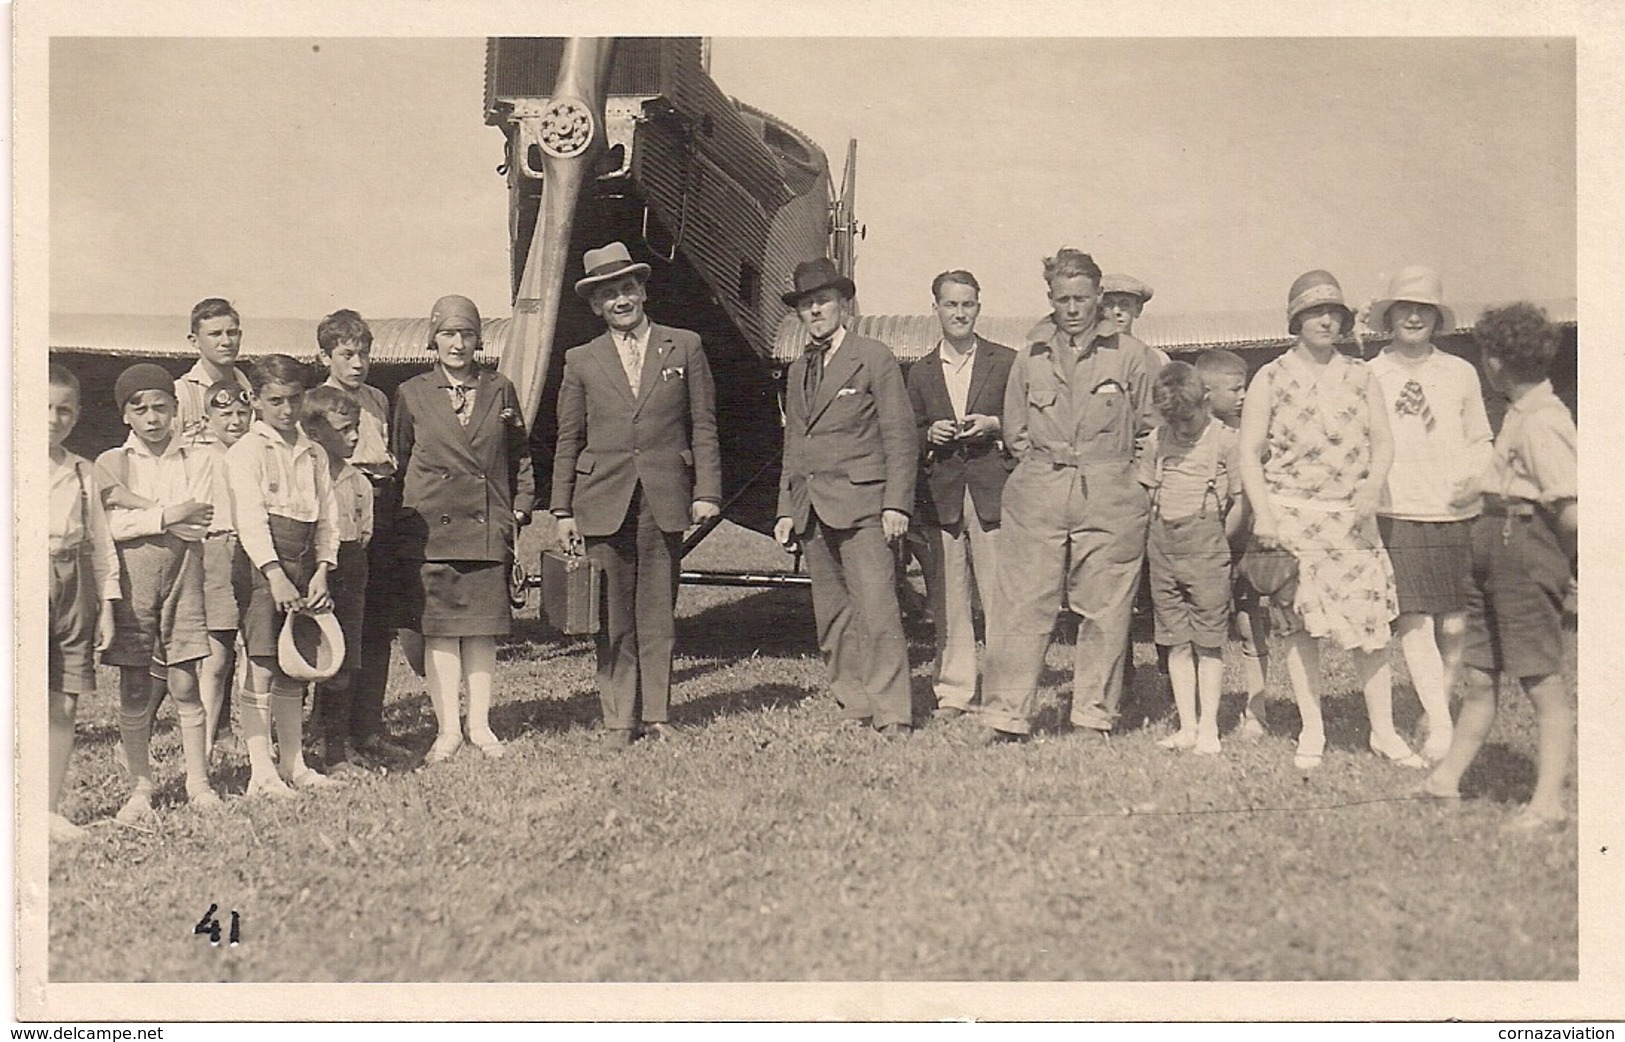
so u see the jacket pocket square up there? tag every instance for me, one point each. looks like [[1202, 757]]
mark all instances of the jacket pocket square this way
[[673, 372], [843, 392]]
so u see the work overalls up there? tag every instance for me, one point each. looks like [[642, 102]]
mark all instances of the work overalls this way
[[1074, 523]]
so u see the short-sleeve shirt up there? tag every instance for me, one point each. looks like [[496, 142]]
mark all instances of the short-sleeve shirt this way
[[1535, 455], [1182, 472], [352, 505]]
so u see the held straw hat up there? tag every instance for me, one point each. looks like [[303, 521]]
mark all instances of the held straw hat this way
[[329, 647], [1312, 289], [1418, 285]]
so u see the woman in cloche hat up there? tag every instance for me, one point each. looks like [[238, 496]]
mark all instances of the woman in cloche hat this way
[[1442, 445], [461, 444], [1315, 452]]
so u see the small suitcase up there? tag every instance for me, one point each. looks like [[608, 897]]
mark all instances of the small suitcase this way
[[571, 589]]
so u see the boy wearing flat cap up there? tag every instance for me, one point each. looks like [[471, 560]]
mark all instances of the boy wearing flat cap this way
[[637, 462], [845, 493]]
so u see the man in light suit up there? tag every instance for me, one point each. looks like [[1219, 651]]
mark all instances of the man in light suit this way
[[637, 463], [957, 392], [845, 494]]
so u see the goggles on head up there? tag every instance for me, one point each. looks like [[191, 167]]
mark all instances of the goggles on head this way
[[224, 399]]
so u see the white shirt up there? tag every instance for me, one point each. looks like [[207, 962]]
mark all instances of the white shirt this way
[[956, 373], [633, 347], [352, 503], [269, 476], [76, 515], [1440, 430], [180, 473]]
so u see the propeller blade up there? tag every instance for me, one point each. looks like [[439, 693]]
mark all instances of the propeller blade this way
[[570, 132]]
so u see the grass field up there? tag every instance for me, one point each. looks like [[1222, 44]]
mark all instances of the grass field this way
[[774, 844]]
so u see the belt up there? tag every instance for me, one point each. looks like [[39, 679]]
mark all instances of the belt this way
[[1510, 506], [1069, 458], [377, 479], [68, 553], [220, 534]]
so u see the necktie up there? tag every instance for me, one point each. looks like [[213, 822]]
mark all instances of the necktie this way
[[1413, 402], [459, 402], [815, 369], [634, 362]]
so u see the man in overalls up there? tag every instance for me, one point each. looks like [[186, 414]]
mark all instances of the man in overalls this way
[[1075, 407]]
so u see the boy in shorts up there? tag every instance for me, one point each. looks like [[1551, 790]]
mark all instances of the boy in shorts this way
[[1190, 468], [227, 414], [331, 419], [158, 512], [345, 342], [1522, 546], [84, 586], [1224, 374]]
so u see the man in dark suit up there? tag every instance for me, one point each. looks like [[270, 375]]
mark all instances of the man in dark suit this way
[[957, 392], [845, 494], [637, 463]]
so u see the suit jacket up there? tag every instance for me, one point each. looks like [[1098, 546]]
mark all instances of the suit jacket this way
[[982, 465], [610, 442], [461, 485], [850, 453]]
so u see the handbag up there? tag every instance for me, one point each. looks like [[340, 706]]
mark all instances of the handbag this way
[[1273, 572]]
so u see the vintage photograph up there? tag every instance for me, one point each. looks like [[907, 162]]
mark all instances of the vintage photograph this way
[[813, 508]]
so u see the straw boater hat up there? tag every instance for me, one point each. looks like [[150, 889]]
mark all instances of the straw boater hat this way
[[814, 275], [1125, 284], [1312, 289], [606, 263], [1418, 285], [329, 647]]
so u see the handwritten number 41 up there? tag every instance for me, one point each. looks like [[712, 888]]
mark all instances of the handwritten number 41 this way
[[211, 926]]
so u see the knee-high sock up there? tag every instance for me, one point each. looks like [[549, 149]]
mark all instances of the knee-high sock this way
[[442, 662], [255, 716], [479, 664], [135, 729], [288, 711], [193, 722]]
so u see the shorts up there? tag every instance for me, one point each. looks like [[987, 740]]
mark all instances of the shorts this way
[[220, 608], [1251, 619], [348, 586], [461, 599], [71, 667], [1433, 563], [1515, 604], [158, 617], [1190, 580], [295, 545]]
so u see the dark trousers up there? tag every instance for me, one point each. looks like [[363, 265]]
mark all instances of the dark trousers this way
[[379, 618], [635, 643], [860, 630]]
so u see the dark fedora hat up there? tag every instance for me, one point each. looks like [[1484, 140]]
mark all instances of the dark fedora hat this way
[[814, 275]]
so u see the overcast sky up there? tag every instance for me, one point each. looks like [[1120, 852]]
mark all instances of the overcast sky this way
[[298, 176]]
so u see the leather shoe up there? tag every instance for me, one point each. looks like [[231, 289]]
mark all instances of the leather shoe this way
[[994, 736], [618, 739], [663, 731]]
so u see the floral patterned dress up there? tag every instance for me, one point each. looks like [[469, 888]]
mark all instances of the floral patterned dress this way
[[1319, 451]]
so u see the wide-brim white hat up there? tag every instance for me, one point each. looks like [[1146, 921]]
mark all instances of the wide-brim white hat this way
[[1419, 285], [329, 647]]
